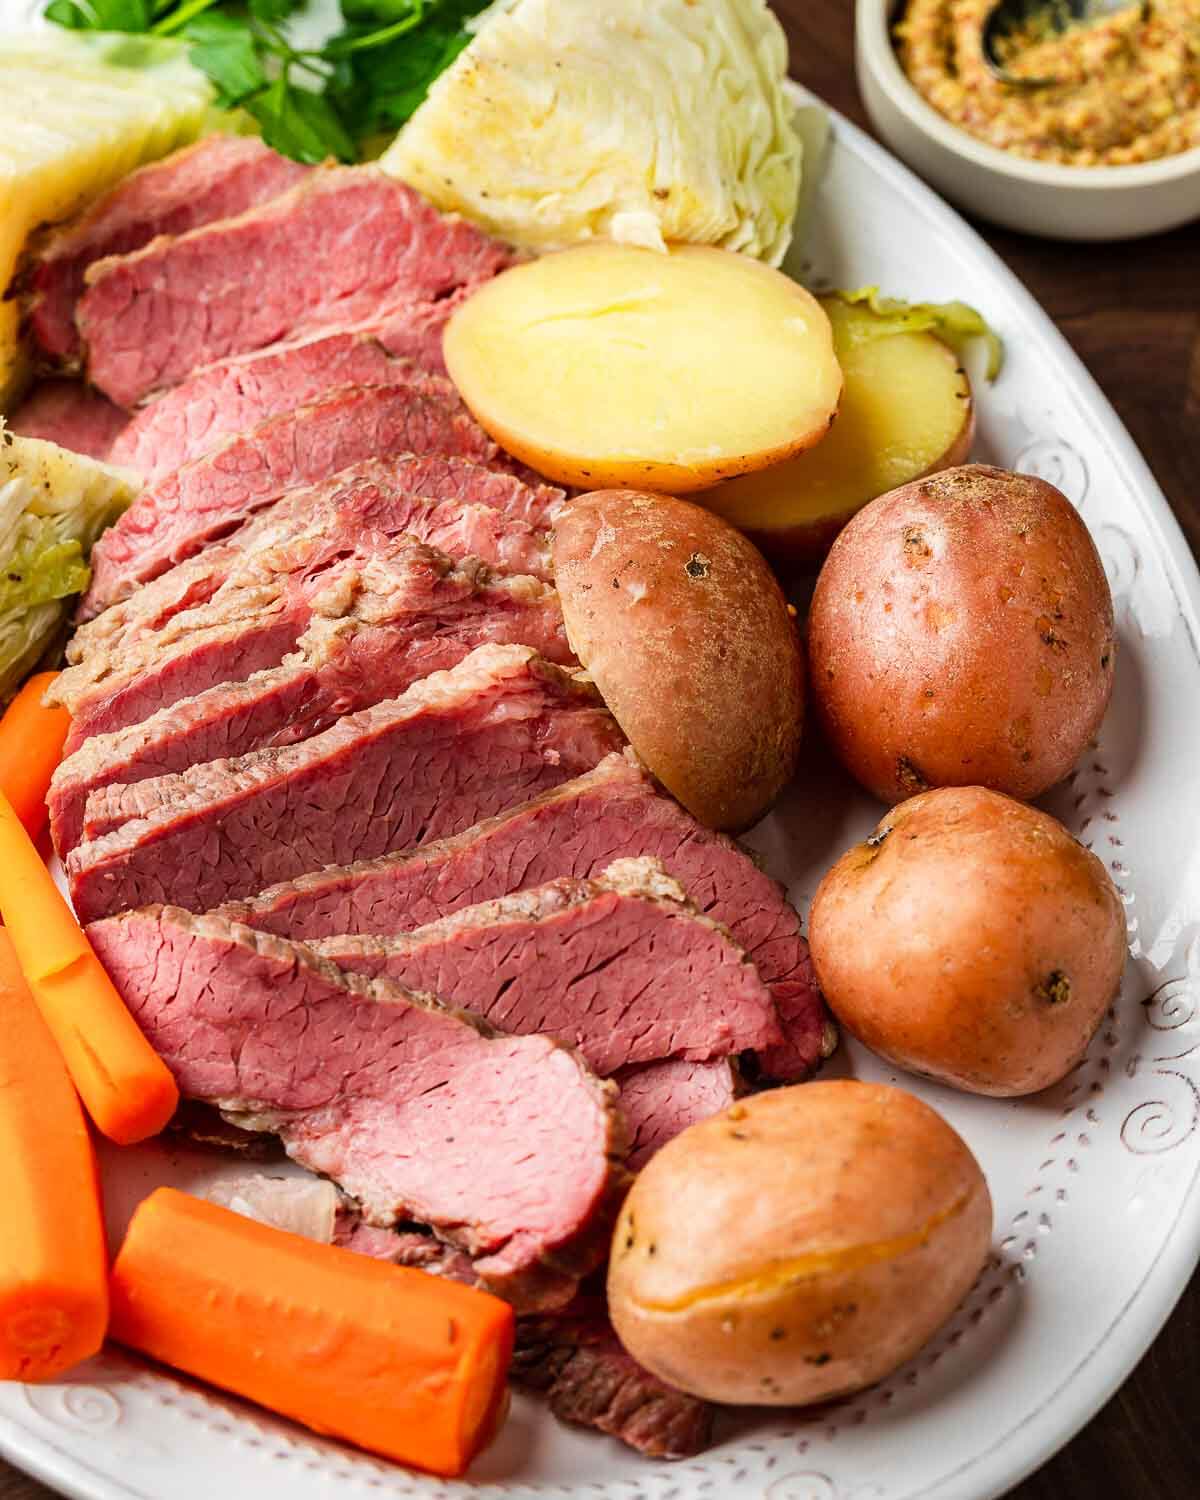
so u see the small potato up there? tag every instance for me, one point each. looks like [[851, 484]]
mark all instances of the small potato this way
[[906, 411], [961, 634], [799, 1246], [691, 642], [611, 365], [970, 939]]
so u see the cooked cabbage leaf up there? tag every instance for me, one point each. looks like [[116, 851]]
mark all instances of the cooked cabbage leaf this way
[[955, 323], [568, 120], [53, 505]]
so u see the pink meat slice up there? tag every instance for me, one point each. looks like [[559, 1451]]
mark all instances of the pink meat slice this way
[[210, 496], [456, 747], [661, 1099], [242, 393], [69, 414], [463, 509], [343, 246], [619, 965], [219, 177], [574, 830], [375, 629], [506, 1146]]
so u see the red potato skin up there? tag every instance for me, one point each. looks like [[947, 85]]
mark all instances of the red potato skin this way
[[961, 634], [972, 940], [690, 639]]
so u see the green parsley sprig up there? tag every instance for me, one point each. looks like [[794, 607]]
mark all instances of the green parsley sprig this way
[[310, 103]]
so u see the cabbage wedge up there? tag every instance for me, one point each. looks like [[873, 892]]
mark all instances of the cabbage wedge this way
[[53, 505]]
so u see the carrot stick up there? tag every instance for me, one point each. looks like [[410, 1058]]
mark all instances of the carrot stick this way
[[395, 1360], [124, 1084], [31, 746], [53, 1265]]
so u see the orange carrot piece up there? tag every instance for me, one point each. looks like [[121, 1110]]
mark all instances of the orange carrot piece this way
[[394, 1360], [31, 746], [53, 1263], [125, 1086]]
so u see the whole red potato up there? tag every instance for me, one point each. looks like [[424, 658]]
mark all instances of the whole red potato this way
[[961, 634]]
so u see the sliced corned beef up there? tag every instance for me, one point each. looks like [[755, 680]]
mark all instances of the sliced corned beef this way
[[577, 1363], [461, 508], [457, 747], [507, 1146], [376, 628], [660, 1099], [217, 178], [343, 246], [69, 414], [210, 496], [247, 626], [621, 966], [574, 830], [241, 393]]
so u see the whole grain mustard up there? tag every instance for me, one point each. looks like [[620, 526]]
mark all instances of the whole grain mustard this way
[[1126, 88]]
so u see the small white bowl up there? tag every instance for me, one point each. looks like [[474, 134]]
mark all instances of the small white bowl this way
[[1064, 203]]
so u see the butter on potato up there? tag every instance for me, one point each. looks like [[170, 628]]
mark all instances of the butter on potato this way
[[970, 939], [609, 366], [799, 1246]]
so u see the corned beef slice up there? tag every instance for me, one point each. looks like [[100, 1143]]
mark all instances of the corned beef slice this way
[[377, 628], [345, 245], [66, 412], [620, 966], [457, 747], [251, 625], [220, 176], [211, 495], [242, 393], [575, 1360], [507, 1146], [575, 830], [660, 1099], [461, 508]]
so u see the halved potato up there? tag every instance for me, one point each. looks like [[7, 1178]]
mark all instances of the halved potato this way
[[906, 411], [690, 640], [613, 366]]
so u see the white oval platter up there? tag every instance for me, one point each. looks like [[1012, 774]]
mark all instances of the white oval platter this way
[[1096, 1183]]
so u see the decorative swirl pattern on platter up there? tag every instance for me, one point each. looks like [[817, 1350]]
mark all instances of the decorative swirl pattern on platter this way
[[1166, 1121], [1058, 463], [87, 1408]]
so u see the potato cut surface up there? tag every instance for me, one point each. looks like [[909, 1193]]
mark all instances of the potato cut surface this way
[[610, 365], [906, 411]]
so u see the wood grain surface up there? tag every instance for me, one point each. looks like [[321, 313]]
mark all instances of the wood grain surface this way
[[1132, 311]]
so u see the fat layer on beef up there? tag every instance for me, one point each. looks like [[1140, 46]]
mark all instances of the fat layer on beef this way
[[463, 509], [620, 965], [370, 630], [456, 747], [573, 830], [209, 497]]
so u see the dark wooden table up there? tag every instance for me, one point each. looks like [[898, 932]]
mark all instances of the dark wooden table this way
[[1133, 314]]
